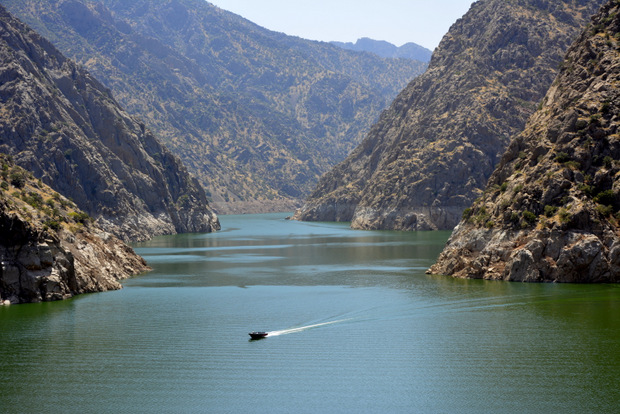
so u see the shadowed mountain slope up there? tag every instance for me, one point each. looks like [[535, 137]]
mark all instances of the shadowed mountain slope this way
[[61, 124]]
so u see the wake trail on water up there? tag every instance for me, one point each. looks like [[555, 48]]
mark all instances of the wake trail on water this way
[[305, 328]]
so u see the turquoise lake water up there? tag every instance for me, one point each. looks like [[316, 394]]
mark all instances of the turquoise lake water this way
[[355, 326]]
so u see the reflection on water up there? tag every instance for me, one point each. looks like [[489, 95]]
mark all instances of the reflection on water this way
[[355, 325], [257, 252]]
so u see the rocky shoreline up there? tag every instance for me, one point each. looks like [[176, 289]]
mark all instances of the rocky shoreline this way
[[544, 255], [49, 249], [51, 267]]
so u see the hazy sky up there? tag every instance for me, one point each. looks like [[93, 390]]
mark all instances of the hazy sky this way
[[398, 21]]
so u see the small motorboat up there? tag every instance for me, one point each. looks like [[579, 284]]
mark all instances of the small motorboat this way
[[258, 335]]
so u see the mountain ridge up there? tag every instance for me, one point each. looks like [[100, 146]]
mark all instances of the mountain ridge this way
[[434, 148], [550, 212], [386, 49]]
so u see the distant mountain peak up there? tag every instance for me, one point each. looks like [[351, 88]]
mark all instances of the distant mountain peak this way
[[386, 49]]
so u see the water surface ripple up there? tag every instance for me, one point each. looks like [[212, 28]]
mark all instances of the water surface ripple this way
[[354, 326]]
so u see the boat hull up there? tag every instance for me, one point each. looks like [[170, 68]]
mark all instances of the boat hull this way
[[258, 335]]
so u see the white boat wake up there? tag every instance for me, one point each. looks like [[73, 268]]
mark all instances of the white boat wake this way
[[304, 328]]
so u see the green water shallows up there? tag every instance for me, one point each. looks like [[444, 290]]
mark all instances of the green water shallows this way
[[356, 326]]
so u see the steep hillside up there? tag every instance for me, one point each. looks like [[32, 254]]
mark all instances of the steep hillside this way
[[551, 210], [60, 123], [257, 116], [387, 49], [433, 150], [49, 249]]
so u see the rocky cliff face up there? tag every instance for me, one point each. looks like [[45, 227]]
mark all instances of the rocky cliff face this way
[[57, 121], [257, 116], [551, 209], [433, 150], [49, 250]]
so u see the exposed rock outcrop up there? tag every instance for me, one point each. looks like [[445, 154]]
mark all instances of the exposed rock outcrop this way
[[49, 250], [550, 211], [57, 121], [432, 152]]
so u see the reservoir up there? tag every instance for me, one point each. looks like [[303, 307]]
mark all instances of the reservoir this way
[[355, 325]]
